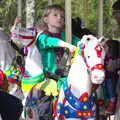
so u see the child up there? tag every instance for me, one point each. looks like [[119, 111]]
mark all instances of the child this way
[[51, 42], [117, 113], [112, 65], [116, 15]]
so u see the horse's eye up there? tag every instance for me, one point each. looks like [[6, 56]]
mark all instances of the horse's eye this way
[[88, 56], [88, 39]]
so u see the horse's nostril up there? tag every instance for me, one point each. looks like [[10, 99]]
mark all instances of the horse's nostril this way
[[96, 77]]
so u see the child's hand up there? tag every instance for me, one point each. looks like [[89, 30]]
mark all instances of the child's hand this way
[[17, 20], [72, 48], [110, 66]]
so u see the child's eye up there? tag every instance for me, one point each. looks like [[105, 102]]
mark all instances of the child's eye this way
[[55, 15]]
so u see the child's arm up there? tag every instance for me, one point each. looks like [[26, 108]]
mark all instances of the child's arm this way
[[17, 21], [45, 42], [67, 45]]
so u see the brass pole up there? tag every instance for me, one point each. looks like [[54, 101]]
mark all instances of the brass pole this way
[[68, 30]]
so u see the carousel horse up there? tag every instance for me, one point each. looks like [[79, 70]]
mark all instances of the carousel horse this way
[[10, 70], [7, 54], [7, 101], [76, 99], [32, 72]]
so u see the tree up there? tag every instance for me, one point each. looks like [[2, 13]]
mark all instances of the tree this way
[[30, 13], [87, 10]]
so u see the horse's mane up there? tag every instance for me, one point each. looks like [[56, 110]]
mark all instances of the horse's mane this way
[[77, 28], [84, 31], [5, 37]]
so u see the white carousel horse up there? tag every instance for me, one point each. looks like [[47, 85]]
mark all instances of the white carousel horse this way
[[32, 72], [76, 101], [7, 54]]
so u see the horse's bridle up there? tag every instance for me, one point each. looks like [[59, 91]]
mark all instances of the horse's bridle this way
[[96, 66]]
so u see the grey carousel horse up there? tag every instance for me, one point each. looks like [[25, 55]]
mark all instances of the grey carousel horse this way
[[7, 101]]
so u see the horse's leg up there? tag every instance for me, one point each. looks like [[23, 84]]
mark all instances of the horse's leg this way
[[80, 119], [60, 99], [22, 95], [25, 94], [92, 119], [12, 88], [0, 117]]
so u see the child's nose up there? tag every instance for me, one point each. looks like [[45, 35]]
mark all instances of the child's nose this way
[[59, 17]]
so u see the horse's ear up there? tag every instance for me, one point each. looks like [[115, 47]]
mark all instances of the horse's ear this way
[[102, 39], [85, 39], [82, 41], [80, 45]]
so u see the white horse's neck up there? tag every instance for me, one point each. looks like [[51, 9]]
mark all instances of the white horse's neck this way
[[33, 61], [7, 53], [78, 77]]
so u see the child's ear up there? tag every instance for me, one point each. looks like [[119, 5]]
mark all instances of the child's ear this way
[[45, 20]]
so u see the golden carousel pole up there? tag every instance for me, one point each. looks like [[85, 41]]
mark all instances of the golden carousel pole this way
[[100, 18], [19, 10], [68, 28], [50, 2]]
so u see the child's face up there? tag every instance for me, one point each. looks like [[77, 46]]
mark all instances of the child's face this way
[[55, 20]]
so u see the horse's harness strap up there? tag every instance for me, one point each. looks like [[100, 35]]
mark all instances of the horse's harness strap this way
[[97, 66]]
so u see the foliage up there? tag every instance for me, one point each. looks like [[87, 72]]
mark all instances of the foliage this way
[[87, 10], [39, 8], [5, 12]]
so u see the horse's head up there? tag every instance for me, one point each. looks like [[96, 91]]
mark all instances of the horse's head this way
[[93, 55], [23, 36]]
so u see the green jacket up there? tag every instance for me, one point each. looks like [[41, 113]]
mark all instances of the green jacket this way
[[46, 46]]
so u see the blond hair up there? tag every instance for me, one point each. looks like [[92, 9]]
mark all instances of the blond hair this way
[[42, 25]]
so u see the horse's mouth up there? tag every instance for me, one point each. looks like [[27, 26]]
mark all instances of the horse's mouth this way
[[97, 80]]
